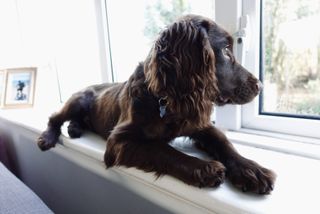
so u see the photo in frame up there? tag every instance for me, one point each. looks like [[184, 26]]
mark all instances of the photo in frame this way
[[20, 86]]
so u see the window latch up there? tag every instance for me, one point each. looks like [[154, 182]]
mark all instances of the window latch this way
[[242, 39]]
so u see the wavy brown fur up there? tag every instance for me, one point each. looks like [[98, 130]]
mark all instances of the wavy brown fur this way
[[190, 66], [172, 58]]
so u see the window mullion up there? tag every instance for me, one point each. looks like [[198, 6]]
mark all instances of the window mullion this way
[[228, 14]]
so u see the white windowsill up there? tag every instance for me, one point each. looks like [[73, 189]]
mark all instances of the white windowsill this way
[[288, 144], [295, 190]]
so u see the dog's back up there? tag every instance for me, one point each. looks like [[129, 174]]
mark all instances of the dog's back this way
[[105, 110]]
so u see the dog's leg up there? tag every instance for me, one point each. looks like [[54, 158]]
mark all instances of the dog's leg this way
[[126, 147], [243, 173], [75, 109]]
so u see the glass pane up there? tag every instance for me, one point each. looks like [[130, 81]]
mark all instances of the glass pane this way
[[291, 57], [134, 25], [58, 37]]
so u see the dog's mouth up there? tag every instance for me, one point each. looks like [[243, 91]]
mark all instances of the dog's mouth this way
[[222, 100]]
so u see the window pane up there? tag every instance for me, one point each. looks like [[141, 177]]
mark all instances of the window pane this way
[[58, 37], [134, 25], [291, 57]]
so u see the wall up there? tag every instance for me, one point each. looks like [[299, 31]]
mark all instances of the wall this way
[[68, 181]]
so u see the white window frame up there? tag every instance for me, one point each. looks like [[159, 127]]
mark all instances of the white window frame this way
[[104, 41], [247, 116], [228, 13]]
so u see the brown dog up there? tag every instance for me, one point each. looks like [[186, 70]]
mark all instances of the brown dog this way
[[190, 67]]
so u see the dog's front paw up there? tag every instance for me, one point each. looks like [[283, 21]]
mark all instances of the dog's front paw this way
[[47, 140], [249, 176], [210, 174], [75, 130]]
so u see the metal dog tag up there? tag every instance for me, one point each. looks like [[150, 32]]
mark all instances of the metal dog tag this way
[[162, 106], [162, 111]]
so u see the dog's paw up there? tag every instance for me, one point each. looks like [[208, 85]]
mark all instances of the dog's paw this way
[[47, 140], [74, 130], [209, 174], [249, 176]]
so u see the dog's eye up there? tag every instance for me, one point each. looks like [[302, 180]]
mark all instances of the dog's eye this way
[[226, 53]]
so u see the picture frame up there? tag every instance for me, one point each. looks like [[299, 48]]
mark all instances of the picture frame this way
[[19, 87], [2, 86]]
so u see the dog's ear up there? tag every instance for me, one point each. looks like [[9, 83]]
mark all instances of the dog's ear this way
[[181, 61]]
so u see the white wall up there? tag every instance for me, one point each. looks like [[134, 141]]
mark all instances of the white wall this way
[[67, 181]]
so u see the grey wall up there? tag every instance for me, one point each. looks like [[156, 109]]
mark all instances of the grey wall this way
[[66, 180]]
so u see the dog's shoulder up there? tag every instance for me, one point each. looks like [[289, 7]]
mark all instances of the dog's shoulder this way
[[136, 83]]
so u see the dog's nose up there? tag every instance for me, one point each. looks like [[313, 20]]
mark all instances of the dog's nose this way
[[259, 86]]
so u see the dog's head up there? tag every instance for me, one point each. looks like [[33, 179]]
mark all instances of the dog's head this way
[[193, 57]]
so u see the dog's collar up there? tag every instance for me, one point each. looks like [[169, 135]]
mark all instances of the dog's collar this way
[[162, 106]]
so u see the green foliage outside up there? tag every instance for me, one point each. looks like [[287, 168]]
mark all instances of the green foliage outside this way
[[163, 13], [295, 71]]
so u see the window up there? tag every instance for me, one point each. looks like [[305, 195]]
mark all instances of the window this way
[[284, 52], [130, 40], [60, 38], [290, 58], [134, 25], [72, 51]]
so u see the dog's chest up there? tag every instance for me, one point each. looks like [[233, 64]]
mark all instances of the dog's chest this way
[[165, 129]]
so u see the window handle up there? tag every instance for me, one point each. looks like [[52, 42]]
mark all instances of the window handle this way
[[242, 39]]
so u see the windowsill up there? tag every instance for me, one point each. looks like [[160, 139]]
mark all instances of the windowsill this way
[[288, 144], [295, 189]]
